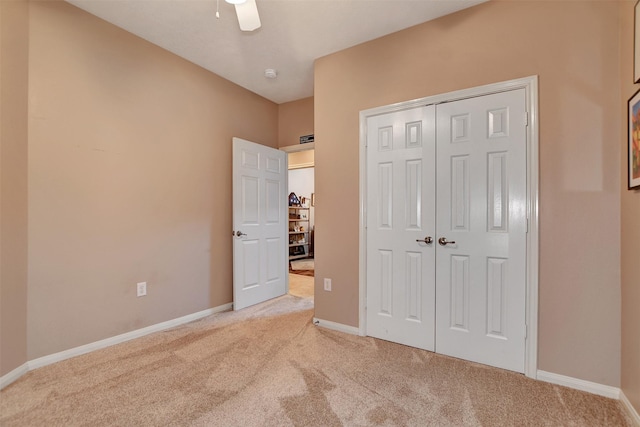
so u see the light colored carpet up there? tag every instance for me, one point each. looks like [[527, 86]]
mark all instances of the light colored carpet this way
[[301, 286], [268, 365]]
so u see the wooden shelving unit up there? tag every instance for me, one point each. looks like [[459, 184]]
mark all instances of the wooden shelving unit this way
[[298, 232]]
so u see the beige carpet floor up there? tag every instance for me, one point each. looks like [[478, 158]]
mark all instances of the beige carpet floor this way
[[301, 285], [268, 365]]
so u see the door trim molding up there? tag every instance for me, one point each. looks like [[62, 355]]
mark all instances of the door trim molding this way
[[299, 147], [530, 86]]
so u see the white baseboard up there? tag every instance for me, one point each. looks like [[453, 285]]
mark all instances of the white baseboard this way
[[631, 411], [336, 326], [10, 377], [578, 384], [87, 348]]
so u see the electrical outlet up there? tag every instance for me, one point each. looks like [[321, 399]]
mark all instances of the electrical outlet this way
[[327, 284], [142, 289]]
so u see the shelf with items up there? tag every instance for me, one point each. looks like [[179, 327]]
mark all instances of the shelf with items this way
[[298, 232], [298, 213], [298, 238]]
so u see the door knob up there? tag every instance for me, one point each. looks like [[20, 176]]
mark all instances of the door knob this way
[[428, 240], [238, 233], [443, 241]]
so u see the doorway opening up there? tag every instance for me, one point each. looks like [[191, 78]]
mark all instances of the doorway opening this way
[[301, 212]]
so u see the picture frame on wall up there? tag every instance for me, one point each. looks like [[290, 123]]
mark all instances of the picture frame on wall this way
[[636, 43], [633, 137]]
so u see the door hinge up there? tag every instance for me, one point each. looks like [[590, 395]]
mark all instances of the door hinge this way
[[527, 225], [526, 118]]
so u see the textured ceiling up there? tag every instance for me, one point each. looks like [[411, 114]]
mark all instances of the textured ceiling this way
[[293, 34]]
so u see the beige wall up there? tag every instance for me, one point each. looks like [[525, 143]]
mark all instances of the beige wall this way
[[573, 47], [14, 27], [630, 226], [295, 119], [129, 180], [128, 146]]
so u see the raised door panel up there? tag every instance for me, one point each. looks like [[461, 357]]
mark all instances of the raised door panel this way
[[250, 200], [251, 263]]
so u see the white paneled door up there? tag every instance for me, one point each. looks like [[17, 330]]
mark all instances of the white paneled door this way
[[401, 226], [259, 223], [453, 174], [481, 206]]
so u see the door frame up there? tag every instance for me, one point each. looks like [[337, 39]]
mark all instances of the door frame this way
[[530, 85]]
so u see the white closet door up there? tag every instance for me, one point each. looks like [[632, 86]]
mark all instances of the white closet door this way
[[400, 215], [481, 206], [463, 294]]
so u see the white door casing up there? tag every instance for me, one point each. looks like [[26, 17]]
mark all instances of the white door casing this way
[[400, 161], [481, 206], [528, 207], [259, 223]]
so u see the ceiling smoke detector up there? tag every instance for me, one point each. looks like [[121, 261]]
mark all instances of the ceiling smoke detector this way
[[270, 73]]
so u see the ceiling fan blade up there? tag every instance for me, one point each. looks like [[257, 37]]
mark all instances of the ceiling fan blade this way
[[248, 17]]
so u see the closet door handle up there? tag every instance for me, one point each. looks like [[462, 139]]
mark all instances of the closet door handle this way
[[443, 241], [428, 240]]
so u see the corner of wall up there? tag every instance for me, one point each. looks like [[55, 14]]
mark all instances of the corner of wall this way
[[629, 226], [14, 41]]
